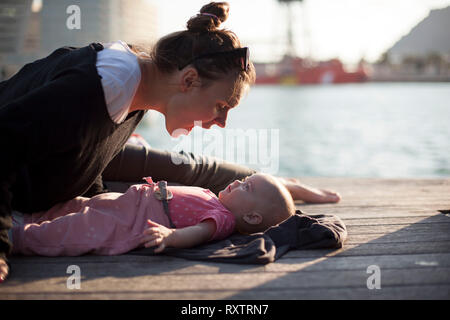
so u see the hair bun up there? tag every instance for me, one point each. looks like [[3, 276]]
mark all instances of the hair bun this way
[[214, 14]]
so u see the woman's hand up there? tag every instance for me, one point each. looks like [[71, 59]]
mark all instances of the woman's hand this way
[[309, 194], [157, 235], [3, 270]]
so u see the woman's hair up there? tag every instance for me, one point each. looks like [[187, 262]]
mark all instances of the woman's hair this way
[[182, 48]]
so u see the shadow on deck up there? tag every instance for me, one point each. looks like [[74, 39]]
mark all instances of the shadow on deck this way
[[413, 263]]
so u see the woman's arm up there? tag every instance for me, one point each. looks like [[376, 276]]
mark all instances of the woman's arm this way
[[135, 162], [161, 236], [309, 194]]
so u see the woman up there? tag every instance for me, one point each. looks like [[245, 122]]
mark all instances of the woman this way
[[65, 119]]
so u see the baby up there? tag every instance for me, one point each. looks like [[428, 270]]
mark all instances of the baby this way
[[115, 223]]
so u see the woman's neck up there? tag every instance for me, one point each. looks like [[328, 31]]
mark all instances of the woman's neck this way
[[152, 92]]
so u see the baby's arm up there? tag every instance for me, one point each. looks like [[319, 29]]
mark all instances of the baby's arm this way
[[161, 236]]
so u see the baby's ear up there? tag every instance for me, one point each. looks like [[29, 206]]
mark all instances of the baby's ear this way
[[253, 218]]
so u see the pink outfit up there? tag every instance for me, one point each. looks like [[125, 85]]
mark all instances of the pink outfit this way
[[113, 223]]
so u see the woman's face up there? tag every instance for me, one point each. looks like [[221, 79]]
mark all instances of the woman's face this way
[[205, 106]]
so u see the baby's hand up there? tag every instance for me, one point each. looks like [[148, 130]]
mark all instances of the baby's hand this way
[[157, 235]]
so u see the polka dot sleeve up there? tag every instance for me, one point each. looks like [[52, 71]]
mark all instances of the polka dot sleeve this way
[[225, 223]]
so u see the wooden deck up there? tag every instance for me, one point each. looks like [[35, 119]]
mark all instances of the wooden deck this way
[[393, 224]]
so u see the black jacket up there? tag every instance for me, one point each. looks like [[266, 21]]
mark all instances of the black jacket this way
[[56, 136], [299, 232]]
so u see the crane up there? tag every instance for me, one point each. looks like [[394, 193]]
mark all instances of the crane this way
[[291, 52]]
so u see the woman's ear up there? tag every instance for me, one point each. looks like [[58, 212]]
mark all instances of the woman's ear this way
[[189, 79], [253, 218]]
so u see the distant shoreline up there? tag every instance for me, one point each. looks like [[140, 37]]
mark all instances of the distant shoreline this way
[[370, 80], [409, 79]]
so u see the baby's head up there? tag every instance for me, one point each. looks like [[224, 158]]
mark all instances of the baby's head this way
[[258, 202]]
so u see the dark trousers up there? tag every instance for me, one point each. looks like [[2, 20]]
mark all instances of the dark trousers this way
[[135, 162]]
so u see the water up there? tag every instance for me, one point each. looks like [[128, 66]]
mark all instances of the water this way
[[384, 130]]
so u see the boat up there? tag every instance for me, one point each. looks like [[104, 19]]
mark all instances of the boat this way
[[299, 71]]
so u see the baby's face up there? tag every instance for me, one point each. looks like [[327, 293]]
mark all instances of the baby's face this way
[[245, 196]]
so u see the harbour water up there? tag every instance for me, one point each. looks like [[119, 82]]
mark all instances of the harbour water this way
[[387, 130]]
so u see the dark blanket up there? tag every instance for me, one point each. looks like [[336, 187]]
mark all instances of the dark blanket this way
[[298, 232]]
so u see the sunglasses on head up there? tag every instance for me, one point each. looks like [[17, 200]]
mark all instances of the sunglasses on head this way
[[243, 54]]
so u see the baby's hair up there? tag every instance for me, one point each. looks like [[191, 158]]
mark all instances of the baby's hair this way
[[203, 36], [279, 210]]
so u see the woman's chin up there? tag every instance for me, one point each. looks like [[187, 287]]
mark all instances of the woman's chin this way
[[175, 133], [180, 132]]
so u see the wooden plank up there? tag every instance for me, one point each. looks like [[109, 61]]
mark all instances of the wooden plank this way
[[395, 220], [334, 263], [425, 292], [356, 184], [375, 249], [387, 228], [365, 213], [137, 265], [290, 263], [154, 259], [96, 281], [398, 237]]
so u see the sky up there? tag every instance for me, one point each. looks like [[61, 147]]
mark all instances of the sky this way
[[323, 29]]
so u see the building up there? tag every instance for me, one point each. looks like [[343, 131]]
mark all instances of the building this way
[[14, 18], [31, 29]]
